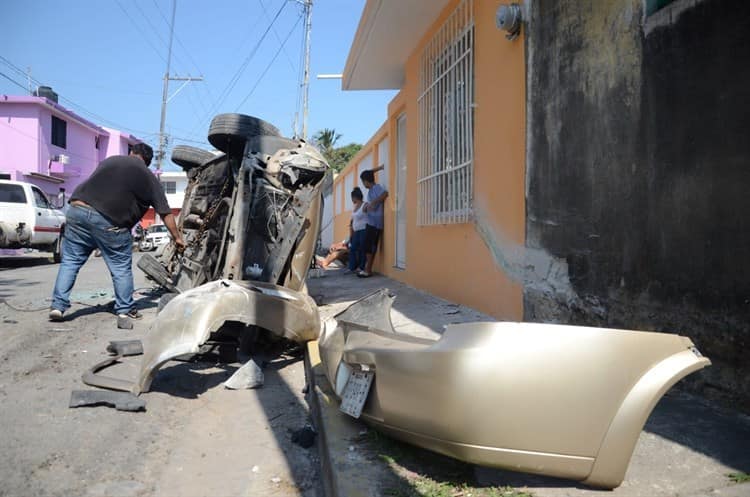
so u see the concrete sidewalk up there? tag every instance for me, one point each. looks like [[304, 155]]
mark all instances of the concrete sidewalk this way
[[687, 448]]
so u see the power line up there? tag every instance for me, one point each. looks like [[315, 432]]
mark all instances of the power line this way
[[156, 31], [138, 27], [71, 103], [270, 63], [233, 82], [179, 41], [15, 68], [13, 81], [276, 33]]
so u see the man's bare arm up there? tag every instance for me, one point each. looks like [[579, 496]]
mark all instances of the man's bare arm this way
[[171, 225]]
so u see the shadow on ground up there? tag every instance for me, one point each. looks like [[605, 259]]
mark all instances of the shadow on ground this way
[[283, 411], [24, 261], [189, 380], [13, 287], [705, 428]]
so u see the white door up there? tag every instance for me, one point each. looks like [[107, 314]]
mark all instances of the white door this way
[[47, 225], [401, 192]]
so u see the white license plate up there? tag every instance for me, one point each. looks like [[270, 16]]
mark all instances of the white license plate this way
[[355, 392]]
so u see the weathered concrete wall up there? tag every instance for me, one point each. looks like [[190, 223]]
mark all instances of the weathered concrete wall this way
[[638, 172]]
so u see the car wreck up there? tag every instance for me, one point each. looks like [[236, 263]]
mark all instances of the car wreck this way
[[250, 219], [564, 401]]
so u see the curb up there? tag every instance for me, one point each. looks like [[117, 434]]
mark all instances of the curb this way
[[343, 476]]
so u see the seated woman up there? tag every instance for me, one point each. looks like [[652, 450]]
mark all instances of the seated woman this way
[[337, 251]]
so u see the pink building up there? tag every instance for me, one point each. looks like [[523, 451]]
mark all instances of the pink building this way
[[43, 143]]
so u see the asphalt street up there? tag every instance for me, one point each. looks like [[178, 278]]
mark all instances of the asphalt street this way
[[195, 438]]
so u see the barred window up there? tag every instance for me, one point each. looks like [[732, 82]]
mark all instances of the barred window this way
[[446, 124], [170, 187]]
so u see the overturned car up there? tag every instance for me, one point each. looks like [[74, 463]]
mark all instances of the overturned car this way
[[250, 219], [252, 212]]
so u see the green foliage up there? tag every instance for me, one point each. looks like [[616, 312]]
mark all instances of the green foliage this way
[[340, 157], [739, 477], [337, 157], [325, 140]]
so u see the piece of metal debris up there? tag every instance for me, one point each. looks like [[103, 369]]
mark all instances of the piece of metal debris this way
[[248, 376], [125, 347], [122, 401]]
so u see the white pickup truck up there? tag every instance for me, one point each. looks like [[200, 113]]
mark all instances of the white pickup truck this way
[[28, 219]]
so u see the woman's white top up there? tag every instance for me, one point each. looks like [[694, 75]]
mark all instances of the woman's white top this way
[[359, 218]]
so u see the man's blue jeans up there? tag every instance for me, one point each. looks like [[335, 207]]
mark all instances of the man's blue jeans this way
[[86, 230]]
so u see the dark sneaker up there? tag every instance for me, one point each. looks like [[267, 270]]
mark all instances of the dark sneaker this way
[[55, 315], [124, 322], [133, 314]]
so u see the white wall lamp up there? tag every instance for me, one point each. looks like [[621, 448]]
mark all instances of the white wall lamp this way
[[509, 18]]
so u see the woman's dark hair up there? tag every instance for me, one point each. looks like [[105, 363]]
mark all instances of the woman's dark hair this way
[[357, 193], [368, 176]]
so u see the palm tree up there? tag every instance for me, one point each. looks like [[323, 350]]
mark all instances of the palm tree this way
[[325, 140]]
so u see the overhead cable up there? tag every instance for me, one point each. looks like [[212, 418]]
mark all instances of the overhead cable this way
[[270, 63]]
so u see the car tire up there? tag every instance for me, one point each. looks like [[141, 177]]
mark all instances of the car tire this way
[[229, 132], [269, 145], [189, 157]]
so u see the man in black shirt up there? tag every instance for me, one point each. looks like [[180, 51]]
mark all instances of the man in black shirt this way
[[103, 210]]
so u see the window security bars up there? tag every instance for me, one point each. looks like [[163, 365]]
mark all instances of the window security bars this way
[[446, 122]]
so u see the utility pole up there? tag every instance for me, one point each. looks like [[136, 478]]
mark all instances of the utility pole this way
[[165, 98], [306, 77]]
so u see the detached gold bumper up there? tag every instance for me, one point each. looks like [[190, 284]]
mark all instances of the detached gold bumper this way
[[565, 401]]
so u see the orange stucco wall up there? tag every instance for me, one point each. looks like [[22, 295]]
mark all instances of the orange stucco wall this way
[[456, 261]]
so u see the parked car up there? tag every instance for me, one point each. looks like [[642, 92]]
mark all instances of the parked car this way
[[28, 219], [155, 236]]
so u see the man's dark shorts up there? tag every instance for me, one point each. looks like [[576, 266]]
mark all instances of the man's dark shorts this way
[[372, 237]]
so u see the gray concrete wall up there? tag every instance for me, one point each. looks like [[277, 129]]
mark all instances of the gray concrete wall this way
[[638, 170]]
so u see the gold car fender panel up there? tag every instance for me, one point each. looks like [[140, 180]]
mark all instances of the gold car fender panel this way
[[565, 401]]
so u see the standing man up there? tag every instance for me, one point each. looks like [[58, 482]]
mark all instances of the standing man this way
[[376, 195], [103, 209]]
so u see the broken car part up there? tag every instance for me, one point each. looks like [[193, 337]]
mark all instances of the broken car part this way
[[246, 377], [122, 401], [93, 378], [564, 401], [188, 320], [125, 347]]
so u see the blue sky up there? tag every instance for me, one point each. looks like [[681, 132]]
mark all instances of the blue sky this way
[[106, 59]]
